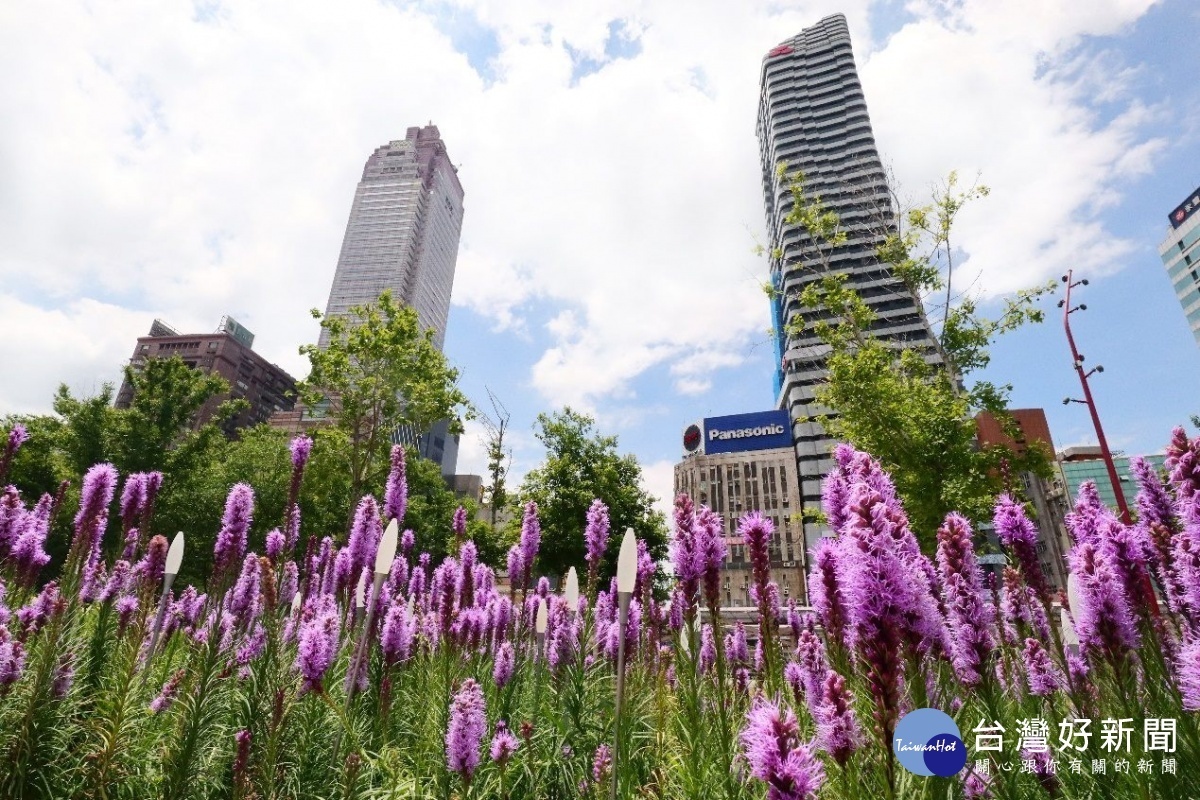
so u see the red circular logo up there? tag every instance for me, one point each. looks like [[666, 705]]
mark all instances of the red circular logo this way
[[691, 438], [1179, 215]]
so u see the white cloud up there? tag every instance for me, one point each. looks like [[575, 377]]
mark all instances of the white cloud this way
[[658, 478], [184, 169]]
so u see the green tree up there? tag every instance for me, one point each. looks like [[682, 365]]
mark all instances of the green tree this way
[[909, 407], [379, 373], [582, 465]]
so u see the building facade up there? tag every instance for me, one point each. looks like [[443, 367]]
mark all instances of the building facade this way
[[403, 235], [1079, 464], [226, 352], [403, 231], [1181, 257], [742, 463], [812, 116], [1048, 496]]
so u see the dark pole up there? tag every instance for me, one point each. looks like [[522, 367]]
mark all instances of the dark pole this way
[[1105, 453]]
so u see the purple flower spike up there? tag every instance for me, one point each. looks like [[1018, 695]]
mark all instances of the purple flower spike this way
[[1105, 622], [406, 542], [531, 539], [28, 549], [459, 524], [464, 735], [275, 543], [99, 485], [504, 744], [1018, 533], [12, 518], [133, 498], [837, 727], [167, 694], [301, 448], [12, 659], [245, 600], [318, 641], [708, 649], [969, 613], [17, 436], [824, 591], [685, 553], [149, 571], [365, 535], [601, 764], [771, 742], [1044, 677], [1188, 672], [710, 553], [502, 669], [230, 546], [395, 494], [595, 538]]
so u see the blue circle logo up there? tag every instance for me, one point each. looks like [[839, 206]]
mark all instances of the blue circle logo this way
[[927, 742]]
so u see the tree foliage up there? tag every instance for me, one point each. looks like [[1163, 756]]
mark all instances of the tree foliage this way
[[380, 372], [907, 406], [582, 464]]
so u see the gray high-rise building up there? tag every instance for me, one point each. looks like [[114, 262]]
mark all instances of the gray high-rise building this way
[[1181, 257], [403, 231], [403, 235], [813, 116]]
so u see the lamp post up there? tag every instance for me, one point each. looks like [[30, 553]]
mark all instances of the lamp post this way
[[539, 626], [384, 557], [174, 559], [626, 578], [571, 591], [1105, 453]]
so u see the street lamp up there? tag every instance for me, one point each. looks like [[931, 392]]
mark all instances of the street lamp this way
[[626, 578], [1077, 360], [174, 559]]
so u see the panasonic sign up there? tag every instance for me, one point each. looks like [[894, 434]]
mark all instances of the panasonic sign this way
[[762, 430]]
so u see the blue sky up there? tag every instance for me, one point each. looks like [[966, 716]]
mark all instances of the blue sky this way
[[206, 166]]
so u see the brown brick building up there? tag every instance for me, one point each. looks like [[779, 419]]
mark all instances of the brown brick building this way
[[226, 352]]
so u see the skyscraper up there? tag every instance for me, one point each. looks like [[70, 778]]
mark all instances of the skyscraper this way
[[403, 231], [813, 116], [403, 235], [1181, 257]]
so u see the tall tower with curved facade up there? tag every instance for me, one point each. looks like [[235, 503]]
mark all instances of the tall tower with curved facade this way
[[812, 115], [403, 231]]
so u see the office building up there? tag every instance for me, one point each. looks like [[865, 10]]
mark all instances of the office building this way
[[1181, 257], [812, 116], [226, 352], [1086, 463], [403, 235], [1048, 496], [742, 463]]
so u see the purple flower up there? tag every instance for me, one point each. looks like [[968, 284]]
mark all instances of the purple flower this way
[[133, 498], [12, 659], [735, 645], [12, 515], [301, 448], [1088, 512], [274, 544], [167, 694], [289, 584], [969, 614], [710, 552], [1187, 671], [395, 494], [771, 742], [126, 606], [812, 667], [1044, 678], [64, 675], [118, 581], [708, 649], [824, 592], [675, 613], [17, 436], [364, 535], [502, 669], [459, 523], [601, 764], [464, 735], [1105, 622], [685, 555], [837, 727], [28, 548], [595, 537], [245, 601], [1018, 533], [977, 787], [504, 744], [531, 539], [396, 637], [149, 571], [33, 616], [99, 485], [835, 495], [406, 542], [230, 545], [318, 641]]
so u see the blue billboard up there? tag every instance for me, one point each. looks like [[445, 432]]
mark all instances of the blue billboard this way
[[760, 430]]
